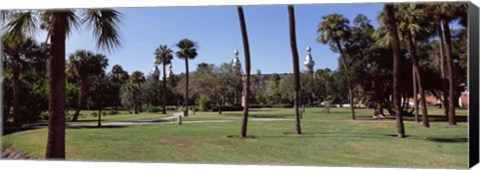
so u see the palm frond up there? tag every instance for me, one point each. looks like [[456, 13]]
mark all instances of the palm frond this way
[[104, 25], [21, 24]]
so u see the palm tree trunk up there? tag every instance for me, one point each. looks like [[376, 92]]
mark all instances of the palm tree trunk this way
[[296, 70], [442, 70], [186, 87], [164, 98], [17, 118], [56, 86], [392, 27], [81, 97], [418, 77], [349, 83], [451, 84], [415, 93], [246, 80]]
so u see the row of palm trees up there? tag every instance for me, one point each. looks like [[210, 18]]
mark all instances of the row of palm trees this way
[[103, 24]]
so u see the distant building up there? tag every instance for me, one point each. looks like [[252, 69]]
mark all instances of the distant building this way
[[155, 73], [309, 63], [170, 71]]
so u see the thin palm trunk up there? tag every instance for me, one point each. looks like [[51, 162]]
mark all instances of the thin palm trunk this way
[[246, 86], [296, 70], [419, 81], [17, 118], [415, 93], [451, 84], [81, 97], [164, 98], [349, 83], [442, 70], [392, 27], [186, 87], [56, 86]]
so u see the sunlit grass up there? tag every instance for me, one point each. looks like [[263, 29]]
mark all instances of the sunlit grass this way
[[328, 140]]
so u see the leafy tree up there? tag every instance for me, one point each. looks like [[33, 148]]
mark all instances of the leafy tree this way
[[187, 50], [334, 29], [86, 64]]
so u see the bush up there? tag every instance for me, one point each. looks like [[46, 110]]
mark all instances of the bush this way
[[228, 108], [282, 106], [113, 112], [260, 106], [151, 108]]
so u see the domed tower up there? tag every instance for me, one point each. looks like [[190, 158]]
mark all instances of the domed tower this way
[[309, 63], [236, 65], [170, 71], [155, 72]]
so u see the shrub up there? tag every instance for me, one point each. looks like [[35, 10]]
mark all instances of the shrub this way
[[282, 106], [229, 108]]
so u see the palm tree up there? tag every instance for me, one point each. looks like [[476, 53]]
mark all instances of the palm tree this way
[[414, 25], [86, 64], [163, 55], [136, 80], [395, 43], [246, 86], [58, 25], [447, 13], [296, 69], [333, 29], [187, 50]]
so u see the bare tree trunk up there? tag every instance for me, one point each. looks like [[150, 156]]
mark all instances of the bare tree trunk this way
[[418, 77], [451, 81], [392, 27], [349, 83], [56, 86], [81, 97], [296, 70], [246, 86], [17, 118], [442, 70], [415, 93], [164, 95], [186, 88]]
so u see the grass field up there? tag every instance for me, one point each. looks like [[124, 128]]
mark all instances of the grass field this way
[[328, 140]]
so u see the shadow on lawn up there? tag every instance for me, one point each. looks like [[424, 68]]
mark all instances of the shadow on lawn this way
[[431, 118], [96, 127], [448, 140]]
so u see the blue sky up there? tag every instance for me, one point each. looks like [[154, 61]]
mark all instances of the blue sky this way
[[216, 30]]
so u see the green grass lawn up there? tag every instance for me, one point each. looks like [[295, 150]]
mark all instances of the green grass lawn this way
[[328, 140]]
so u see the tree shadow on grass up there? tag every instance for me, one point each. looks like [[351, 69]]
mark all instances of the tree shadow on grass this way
[[447, 140], [96, 127], [10, 130], [431, 118]]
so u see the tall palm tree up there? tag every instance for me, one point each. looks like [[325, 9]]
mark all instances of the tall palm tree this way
[[187, 50], [163, 55], [392, 27], [296, 69], [449, 12], [86, 64], [413, 25], [58, 25], [333, 29], [246, 79]]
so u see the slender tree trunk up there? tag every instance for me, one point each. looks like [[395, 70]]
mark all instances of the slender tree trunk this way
[[17, 118], [451, 84], [56, 87], [246, 79], [99, 124], [442, 70], [392, 27], [186, 87], [81, 97], [296, 70], [164, 98], [349, 83], [418, 77], [415, 93]]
